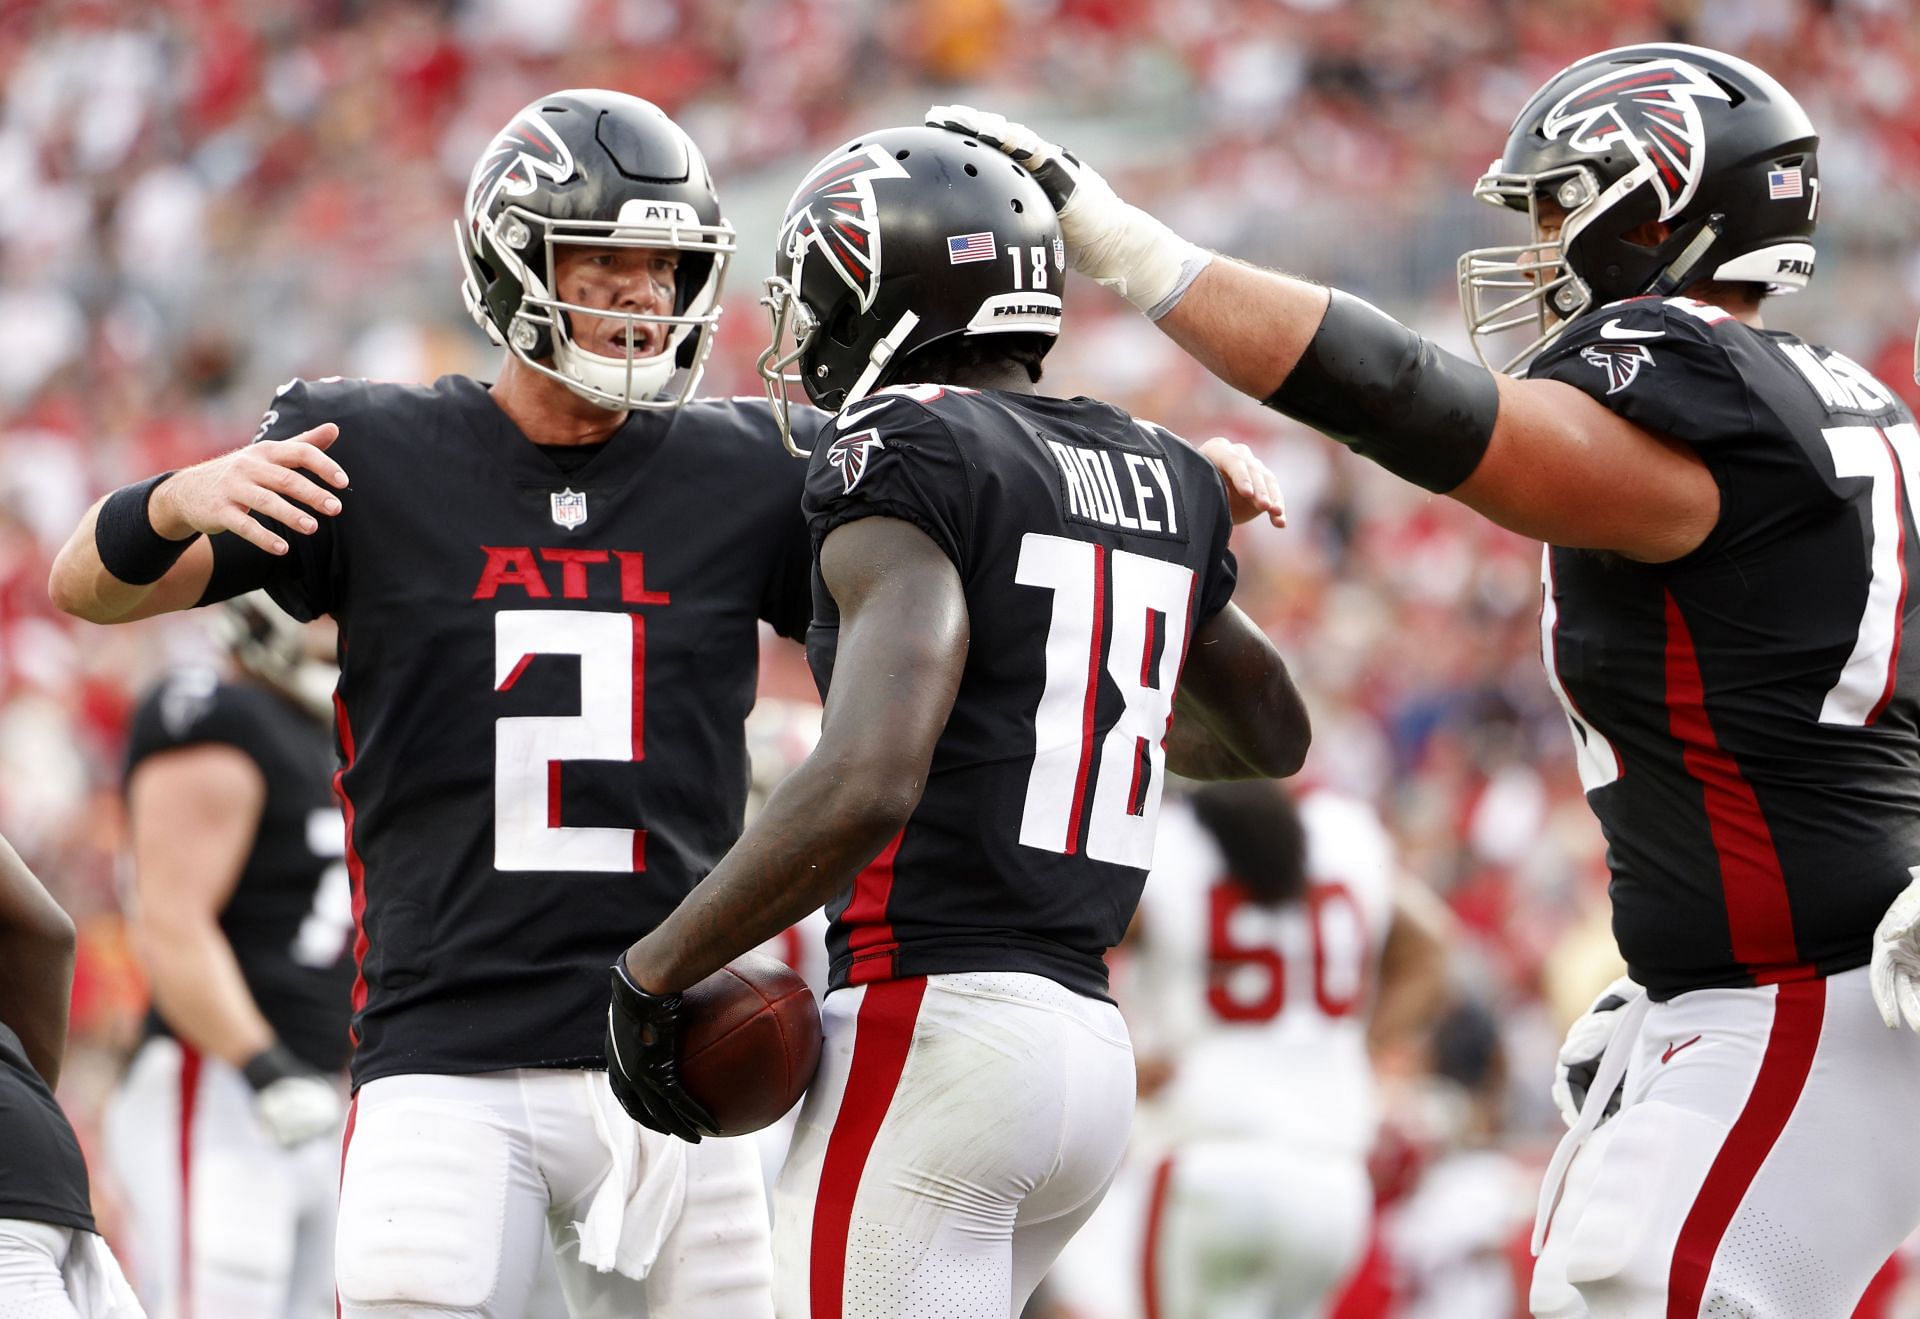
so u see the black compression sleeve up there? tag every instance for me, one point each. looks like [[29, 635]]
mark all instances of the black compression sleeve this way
[[1369, 382]]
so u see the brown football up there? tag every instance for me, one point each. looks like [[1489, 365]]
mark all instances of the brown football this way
[[749, 1041]]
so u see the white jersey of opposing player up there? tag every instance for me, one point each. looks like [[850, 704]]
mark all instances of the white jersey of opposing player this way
[[1264, 1011]]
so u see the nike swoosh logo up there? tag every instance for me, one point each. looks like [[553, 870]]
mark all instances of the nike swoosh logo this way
[[1613, 329], [853, 416], [1675, 1048]]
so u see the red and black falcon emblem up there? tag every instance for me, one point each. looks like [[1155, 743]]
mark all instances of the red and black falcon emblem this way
[[1653, 109], [849, 454], [834, 211], [526, 151], [1621, 362]]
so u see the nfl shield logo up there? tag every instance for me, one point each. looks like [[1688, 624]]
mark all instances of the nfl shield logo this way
[[569, 508]]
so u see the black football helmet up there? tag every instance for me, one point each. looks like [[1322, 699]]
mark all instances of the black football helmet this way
[[601, 168], [278, 649], [1703, 141], [897, 240]]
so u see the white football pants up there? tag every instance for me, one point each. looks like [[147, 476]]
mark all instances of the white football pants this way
[[961, 1128], [458, 1190], [1764, 1163], [224, 1221]]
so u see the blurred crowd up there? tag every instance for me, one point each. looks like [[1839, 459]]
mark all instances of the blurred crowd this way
[[207, 197]]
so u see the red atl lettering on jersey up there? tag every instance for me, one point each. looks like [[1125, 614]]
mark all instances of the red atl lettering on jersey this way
[[519, 565], [510, 565]]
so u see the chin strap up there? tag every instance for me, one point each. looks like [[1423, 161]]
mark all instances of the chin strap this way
[[881, 355], [1680, 273]]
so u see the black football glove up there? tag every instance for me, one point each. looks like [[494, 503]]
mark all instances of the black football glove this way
[[643, 1039]]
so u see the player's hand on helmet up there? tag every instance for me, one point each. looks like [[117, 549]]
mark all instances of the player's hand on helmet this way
[[1108, 240], [1587, 1040], [293, 1103], [273, 478], [1894, 971], [643, 1041], [1252, 488]]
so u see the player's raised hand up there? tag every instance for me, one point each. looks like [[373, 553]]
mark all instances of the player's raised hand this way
[[643, 1045], [1252, 488], [269, 478], [1894, 972], [1108, 240]]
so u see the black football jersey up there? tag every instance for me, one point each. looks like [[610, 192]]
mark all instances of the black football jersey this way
[[1090, 546], [1745, 717], [290, 919], [545, 671], [43, 1177]]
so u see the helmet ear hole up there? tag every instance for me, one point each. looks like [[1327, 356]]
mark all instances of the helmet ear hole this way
[[844, 328]]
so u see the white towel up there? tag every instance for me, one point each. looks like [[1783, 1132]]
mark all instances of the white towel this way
[[95, 1284], [638, 1203], [1613, 1066]]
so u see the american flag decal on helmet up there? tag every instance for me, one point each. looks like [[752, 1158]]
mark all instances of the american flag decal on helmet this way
[[833, 210], [525, 151], [849, 454], [1651, 108]]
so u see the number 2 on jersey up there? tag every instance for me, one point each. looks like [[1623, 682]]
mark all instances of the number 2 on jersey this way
[[1127, 614], [530, 751]]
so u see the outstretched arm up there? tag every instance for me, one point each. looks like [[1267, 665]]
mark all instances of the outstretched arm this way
[[1528, 454], [36, 965], [142, 550], [1548, 449], [902, 649], [1237, 714]]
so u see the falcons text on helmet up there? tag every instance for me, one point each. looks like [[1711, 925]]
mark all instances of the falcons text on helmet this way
[[834, 210], [1653, 109]]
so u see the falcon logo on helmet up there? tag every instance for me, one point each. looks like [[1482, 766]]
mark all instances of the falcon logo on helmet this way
[[1650, 108], [1621, 362], [525, 151], [834, 210], [849, 453]]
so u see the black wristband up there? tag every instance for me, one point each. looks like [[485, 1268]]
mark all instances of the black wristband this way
[[124, 538], [276, 1062], [1369, 382]]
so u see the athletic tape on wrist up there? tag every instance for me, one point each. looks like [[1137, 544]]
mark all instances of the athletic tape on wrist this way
[[1369, 382], [124, 538]]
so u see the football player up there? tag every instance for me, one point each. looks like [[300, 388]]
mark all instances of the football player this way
[[1272, 935], [53, 1262], [1729, 514], [1014, 593], [225, 1133], [548, 589]]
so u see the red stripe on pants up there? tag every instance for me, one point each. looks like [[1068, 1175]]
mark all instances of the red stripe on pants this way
[[1150, 1248], [1798, 1010], [883, 1033], [189, 1101]]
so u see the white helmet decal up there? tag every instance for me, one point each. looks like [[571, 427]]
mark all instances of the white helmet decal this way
[[1652, 108], [524, 151], [846, 227]]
